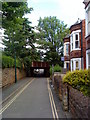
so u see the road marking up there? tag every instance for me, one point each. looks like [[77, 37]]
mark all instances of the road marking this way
[[11, 101], [51, 102], [53, 107], [13, 93]]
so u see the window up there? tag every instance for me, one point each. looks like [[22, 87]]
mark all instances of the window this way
[[77, 65], [88, 60], [67, 49], [71, 42], [72, 65], [76, 40]]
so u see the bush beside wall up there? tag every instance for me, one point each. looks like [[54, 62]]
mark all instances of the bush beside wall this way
[[9, 62], [79, 79]]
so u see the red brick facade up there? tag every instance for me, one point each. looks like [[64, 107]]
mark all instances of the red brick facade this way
[[81, 52], [75, 27], [75, 54]]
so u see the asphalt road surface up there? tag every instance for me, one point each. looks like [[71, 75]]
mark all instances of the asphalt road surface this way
[[31, 98], [32, 101]]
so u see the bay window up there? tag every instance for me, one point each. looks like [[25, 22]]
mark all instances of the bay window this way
[[67, 49], [76, 41]]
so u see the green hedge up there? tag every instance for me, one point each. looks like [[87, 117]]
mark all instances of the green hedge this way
[[57, 68], [8, 62], [79, 79]]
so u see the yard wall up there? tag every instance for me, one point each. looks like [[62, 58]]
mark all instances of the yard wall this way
[[72, 99], [8, 76]]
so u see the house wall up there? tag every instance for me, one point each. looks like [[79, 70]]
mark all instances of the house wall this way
[[87, 38], [67, 57]]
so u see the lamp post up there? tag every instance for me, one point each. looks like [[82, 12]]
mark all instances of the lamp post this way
[[15, 61]]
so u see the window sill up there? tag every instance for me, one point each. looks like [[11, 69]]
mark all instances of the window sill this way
[[75, 49]]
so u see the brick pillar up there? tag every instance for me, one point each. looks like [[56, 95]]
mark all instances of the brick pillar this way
[[84, 43]]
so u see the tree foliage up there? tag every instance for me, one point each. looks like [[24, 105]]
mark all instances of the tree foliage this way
[[19, 36], [50, 38]]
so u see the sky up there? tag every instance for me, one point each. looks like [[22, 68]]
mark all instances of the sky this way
[[65, 10]]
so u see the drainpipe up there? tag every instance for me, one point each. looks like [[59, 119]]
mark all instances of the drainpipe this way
[[81, 47]]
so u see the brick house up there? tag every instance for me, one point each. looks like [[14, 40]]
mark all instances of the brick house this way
[[67, 52], [75, 47], [87, 35]]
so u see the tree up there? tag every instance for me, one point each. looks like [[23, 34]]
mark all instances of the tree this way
[[50, 38], [16, 27]]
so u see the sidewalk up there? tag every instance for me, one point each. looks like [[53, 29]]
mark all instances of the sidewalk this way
[[10, 89], [59, 106]]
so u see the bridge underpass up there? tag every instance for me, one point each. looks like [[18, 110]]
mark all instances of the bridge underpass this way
[[40, 69]]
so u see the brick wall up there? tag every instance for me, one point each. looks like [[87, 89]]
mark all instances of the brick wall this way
[[75, 54], [8, 76], [78, 103], [75, 27], [72, 99], [84, 44]]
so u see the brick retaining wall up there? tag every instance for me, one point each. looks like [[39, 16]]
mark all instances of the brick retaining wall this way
[[8, 76]]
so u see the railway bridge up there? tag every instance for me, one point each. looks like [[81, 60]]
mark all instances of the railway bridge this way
[[40, 69]]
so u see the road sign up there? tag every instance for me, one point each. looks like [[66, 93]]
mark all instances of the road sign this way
[[62, 58]]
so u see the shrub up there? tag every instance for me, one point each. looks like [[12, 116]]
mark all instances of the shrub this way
[[57, 68], [79, 79], [8, 62]]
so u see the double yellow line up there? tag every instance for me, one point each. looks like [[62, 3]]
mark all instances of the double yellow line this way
[[12, 100], [53, 107]]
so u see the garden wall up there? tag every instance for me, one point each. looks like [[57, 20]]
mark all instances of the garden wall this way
[[8, 76], [72, 99]]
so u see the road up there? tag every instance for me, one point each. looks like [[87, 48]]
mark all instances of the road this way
[[33, 99]]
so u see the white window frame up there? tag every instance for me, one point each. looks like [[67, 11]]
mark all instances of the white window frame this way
[[67, 52], [71, 42], [74, 63], [73, 39], [77, 40]]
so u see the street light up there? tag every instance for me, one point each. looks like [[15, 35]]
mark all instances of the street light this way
[[15, 61]]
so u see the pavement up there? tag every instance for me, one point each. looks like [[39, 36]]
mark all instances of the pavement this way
[[33, 101], [6, 91]]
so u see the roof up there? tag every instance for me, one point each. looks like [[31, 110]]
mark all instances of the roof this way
[[77, 22], [67, 36]]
